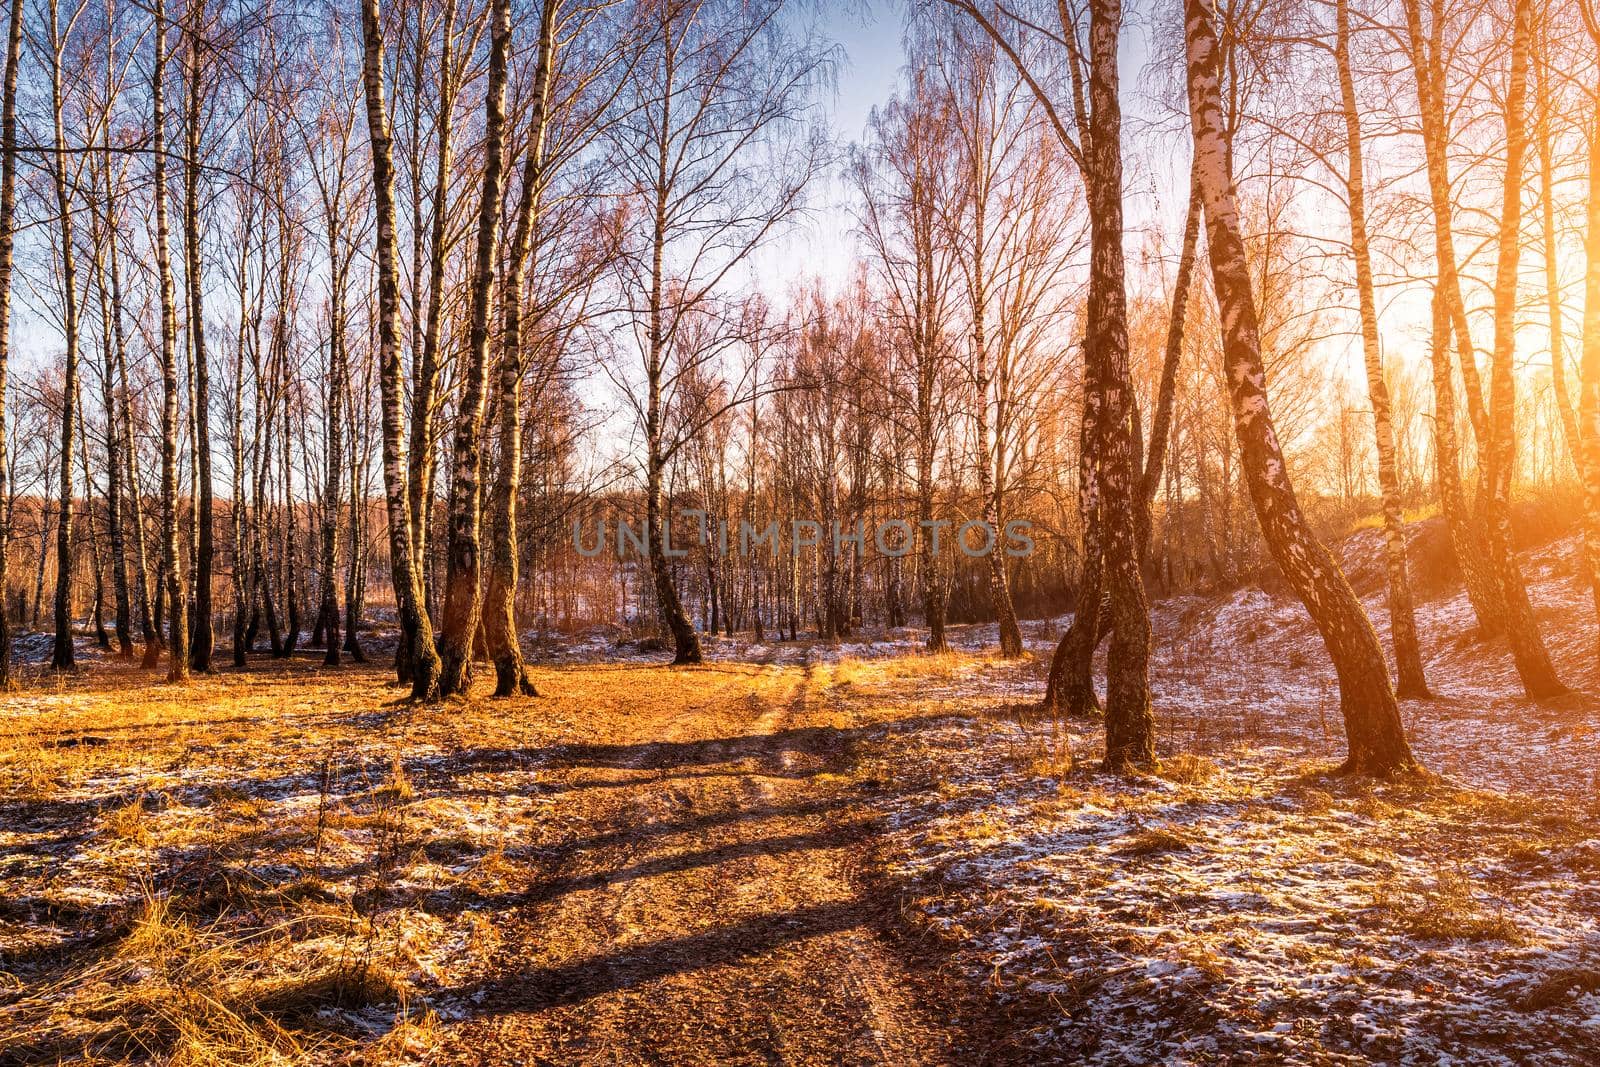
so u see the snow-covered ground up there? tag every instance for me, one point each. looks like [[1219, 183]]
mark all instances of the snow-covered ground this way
[[1246, 907]]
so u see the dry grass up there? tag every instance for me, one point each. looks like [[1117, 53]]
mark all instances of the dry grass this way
[[291, 865], [221, 921], [1447, 910], [1188, 769], [1556, 988], [1153, 840]]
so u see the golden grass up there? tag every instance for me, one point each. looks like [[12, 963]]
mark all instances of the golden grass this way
[[1445, 911], [258, 839], [1152, 840], [1188, 769]]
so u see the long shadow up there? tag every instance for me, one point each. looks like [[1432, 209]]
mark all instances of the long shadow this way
[[585, 979], [267, 714], [544, 892], [701, 823], [659, 755], [438, 774]]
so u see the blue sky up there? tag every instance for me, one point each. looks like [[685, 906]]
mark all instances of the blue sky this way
[[868, 36]]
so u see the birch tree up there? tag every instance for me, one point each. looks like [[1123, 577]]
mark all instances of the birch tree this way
[[1411, 682], [8, 210], [715, 141], [416, 628], [463, 605], [1376, 739]]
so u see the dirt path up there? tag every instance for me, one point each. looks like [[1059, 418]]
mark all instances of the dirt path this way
[[706, 899]]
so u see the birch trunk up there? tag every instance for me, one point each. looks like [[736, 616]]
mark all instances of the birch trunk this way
[[1376, 738], [415, 626], [149, 593], [1466, 533], [1589, 372], [201, 639], [171, 561], [1544, 121], [1069, 689], [332, 495], [8, 208], [420, 472], [1130, 727], [463, 603], [61, 655], [1412, 683], [236, 511], [1522, 630], [500, 609], [111, 337]]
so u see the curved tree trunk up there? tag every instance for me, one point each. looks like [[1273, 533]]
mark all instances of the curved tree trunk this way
[[1468, 532], [1376, 738]]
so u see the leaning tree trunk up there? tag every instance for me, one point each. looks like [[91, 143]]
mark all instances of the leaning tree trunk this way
[[1426, 49], [1412, 683], [1167, 389], [1467, 532], [1376, 737], [417, 630], [1522, 629], [463, 589]]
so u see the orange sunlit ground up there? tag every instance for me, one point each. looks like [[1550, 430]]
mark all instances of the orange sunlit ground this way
[[698, 864]]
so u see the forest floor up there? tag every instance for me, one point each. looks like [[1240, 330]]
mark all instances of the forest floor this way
[[806, 853]]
